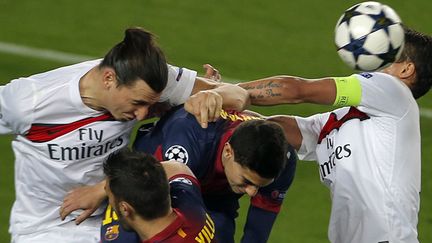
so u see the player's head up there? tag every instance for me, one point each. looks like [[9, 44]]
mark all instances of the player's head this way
[[415, 62], [136, 185], [136, 72], [254, 156]]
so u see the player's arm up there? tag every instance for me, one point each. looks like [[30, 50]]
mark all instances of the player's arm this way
[[291, 129], [89, 198], [173, 168], [266, 205], [293, 90]]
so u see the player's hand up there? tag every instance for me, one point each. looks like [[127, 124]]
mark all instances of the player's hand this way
[[212, 73], [205, 105], [87, 198]]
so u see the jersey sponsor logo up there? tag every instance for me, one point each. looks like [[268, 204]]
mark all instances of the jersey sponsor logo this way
[[366, 75], [62, 153], [334, 124], [178, 153], [336, 153], [182, 180], [339, 153]]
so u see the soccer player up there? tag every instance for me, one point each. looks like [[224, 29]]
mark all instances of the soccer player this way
[[160, 207], [67, 121], [368, 153], [238, 154]]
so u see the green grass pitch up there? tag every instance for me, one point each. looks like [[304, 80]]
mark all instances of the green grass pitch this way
[[245, 39]]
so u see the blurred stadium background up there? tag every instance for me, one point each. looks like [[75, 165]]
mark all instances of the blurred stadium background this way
[[245, 39]]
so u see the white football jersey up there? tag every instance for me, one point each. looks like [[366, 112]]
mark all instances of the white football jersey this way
[[61, 143], [369, 157]]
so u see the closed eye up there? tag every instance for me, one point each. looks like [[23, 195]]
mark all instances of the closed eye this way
[[140, 103]]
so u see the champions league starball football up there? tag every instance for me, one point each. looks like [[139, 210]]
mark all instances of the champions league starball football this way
[[369, 36]]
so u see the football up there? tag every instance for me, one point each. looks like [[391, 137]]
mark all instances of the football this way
[[369, 36]]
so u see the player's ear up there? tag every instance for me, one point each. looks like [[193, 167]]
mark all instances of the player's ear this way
[[108, 78], [227, 150], [407, 72], [125, 209]]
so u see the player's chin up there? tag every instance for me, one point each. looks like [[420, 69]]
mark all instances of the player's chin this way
[[238, 190], [123, 118]]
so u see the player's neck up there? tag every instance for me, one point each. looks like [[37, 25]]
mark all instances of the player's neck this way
[[150, 228], [89, 90]]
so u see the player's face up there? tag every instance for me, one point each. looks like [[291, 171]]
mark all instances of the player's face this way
[[128, 103], [243, 180]]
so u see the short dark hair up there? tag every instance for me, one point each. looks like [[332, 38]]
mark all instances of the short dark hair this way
[[260, 146], [140, 180], [138, 57], [418, 49]]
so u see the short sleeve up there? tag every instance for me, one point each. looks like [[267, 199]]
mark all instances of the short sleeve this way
[[179, 86], [384, 95], [17, 101], [310, 128]]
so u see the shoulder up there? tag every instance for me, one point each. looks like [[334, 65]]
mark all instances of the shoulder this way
[[66, 72], [179, 86], [179, 122], [383, 82], [383, 94], [17, 102]]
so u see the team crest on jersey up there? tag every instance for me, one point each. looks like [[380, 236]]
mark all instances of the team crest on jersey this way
[[112, 233], [178, 153]]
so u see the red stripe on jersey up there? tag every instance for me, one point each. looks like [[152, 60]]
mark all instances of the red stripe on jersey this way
[[215, 181], [158, 153], [40, 133], [333, 123], [169, 234], [262, 202]]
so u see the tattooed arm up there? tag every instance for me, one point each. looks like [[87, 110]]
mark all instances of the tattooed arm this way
[[290, 90]]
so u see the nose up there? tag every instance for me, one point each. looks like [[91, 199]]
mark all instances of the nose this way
[[141, 113], [251, 190]]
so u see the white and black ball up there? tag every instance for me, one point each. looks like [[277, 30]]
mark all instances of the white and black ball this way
[[369, 36]]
